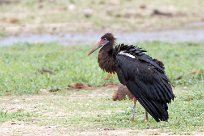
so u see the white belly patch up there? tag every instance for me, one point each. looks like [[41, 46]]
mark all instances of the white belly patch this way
[[126, 54]]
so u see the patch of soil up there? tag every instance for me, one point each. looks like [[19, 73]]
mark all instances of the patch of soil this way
[[122, 93], [8, 2], [80, 86], [157, 12], [20, 128], [9, 20]]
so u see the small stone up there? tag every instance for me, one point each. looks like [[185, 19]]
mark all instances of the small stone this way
[[88, 13], [71, 7], [44, 91]]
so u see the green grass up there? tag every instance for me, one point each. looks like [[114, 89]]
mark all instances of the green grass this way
[[20, 66], [15, 116]]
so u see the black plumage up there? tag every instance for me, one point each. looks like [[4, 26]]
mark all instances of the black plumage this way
[[144, 76]]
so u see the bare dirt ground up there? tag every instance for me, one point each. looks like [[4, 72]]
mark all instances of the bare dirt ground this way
[[52, 16], [19, 128], [54, 106]]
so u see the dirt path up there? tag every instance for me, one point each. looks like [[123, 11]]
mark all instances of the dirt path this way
[[20, 128]]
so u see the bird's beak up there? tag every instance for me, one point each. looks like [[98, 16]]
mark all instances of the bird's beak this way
[[100, 44]]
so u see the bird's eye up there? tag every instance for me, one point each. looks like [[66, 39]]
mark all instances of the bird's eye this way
[[104, 39]]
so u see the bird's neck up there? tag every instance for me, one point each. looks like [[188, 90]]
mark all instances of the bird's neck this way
[[106, 59]]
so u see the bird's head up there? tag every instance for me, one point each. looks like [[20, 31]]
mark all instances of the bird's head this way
[[106, 40]]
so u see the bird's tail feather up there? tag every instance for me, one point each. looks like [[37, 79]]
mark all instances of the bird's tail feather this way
[[157, 110]]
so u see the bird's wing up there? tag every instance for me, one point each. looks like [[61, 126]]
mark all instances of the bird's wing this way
[[147, 81], [152, 83]]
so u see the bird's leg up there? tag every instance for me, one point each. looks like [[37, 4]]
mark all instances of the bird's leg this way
[[146, 116], [134, 109]]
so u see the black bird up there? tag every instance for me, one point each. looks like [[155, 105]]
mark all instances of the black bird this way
[[144, 76]]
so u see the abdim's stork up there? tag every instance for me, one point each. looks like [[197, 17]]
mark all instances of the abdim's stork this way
[[143, 75]]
